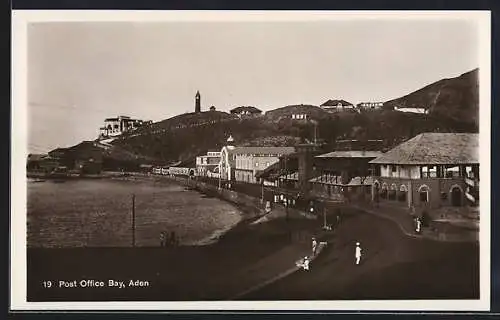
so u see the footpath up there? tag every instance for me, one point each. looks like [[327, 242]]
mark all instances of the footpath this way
[[438, 230], [284, 262]]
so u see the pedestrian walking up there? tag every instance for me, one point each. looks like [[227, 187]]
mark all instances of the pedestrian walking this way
[[418, 225], [357, 253], [162, 239], [314, 246]]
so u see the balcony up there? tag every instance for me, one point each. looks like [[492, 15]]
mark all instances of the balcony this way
[[471, 182]]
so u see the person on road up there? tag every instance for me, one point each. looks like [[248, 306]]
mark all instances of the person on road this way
[[418, 226], [357, 253], [306, 264], [162, 239], [314, 246]]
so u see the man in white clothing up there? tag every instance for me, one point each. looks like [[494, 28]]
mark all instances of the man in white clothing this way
[[358, 253], [306, 264], [418, 225], [314, 246]]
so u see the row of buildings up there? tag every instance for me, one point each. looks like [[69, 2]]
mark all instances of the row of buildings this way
[[430, 170], [331, 105], [116, 126]]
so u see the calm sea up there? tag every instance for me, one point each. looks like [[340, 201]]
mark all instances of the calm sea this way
[[98, 213]]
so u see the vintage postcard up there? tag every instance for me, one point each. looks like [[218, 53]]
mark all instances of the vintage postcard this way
[[251, 160]]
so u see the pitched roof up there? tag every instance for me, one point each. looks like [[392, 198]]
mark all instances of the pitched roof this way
[[246, 108], [434, 148], [351, 154], [262, 150], [334, 103]]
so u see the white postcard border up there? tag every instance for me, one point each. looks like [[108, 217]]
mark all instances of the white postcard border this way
[[18, 281]]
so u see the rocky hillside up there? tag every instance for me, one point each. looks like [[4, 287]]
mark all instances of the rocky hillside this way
[[455, 98], [452, 104]]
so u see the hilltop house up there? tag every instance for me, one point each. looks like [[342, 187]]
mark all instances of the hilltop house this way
[[116, 126], [246, 111], [337, 106], [369, 105], [242, 163], [299, 116], [411, 109], [430, 170]]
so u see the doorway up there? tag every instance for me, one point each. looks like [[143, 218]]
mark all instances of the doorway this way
[[456, 197]]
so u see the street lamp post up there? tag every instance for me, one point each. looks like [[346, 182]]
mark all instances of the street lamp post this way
[[285, 203], [220, 175]]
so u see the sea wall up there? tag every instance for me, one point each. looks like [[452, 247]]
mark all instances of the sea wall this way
[[253, 206]]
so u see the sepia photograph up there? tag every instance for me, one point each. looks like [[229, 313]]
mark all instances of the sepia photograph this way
[[251, 160]]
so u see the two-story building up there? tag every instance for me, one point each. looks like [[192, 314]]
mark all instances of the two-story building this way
[[208, 163], [242, 163], [431, 170], [116, 126]]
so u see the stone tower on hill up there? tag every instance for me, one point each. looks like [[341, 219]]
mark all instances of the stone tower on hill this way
[[197, 102]]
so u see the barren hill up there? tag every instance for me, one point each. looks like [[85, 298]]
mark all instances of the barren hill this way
[[454, 98], [452, 104]]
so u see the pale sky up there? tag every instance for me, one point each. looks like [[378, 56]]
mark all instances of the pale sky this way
[[82, 72]]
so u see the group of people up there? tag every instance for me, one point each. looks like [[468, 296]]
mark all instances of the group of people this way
[[306, 260], [166, 240]]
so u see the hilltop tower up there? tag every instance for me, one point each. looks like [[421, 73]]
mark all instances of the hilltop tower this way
[[197, 102]]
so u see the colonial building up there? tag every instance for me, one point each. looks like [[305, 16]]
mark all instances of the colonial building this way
[[299, 116], [431, 170], [242, 163], [420, 110], [369, 105], [246, 111], [344, 173], [337, 106], [114, 127], [208, 163]]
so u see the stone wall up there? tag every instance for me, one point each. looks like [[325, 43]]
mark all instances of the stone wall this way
[[254, 207]]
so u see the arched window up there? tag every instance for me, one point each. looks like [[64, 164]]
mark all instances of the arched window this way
[[423, 192]]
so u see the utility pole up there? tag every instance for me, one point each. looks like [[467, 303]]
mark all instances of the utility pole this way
[[262, 192], [133, 220], [315, 127], [220, 175], [324, 218]]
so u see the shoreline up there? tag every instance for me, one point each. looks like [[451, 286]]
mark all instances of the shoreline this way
[[246, 213]]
